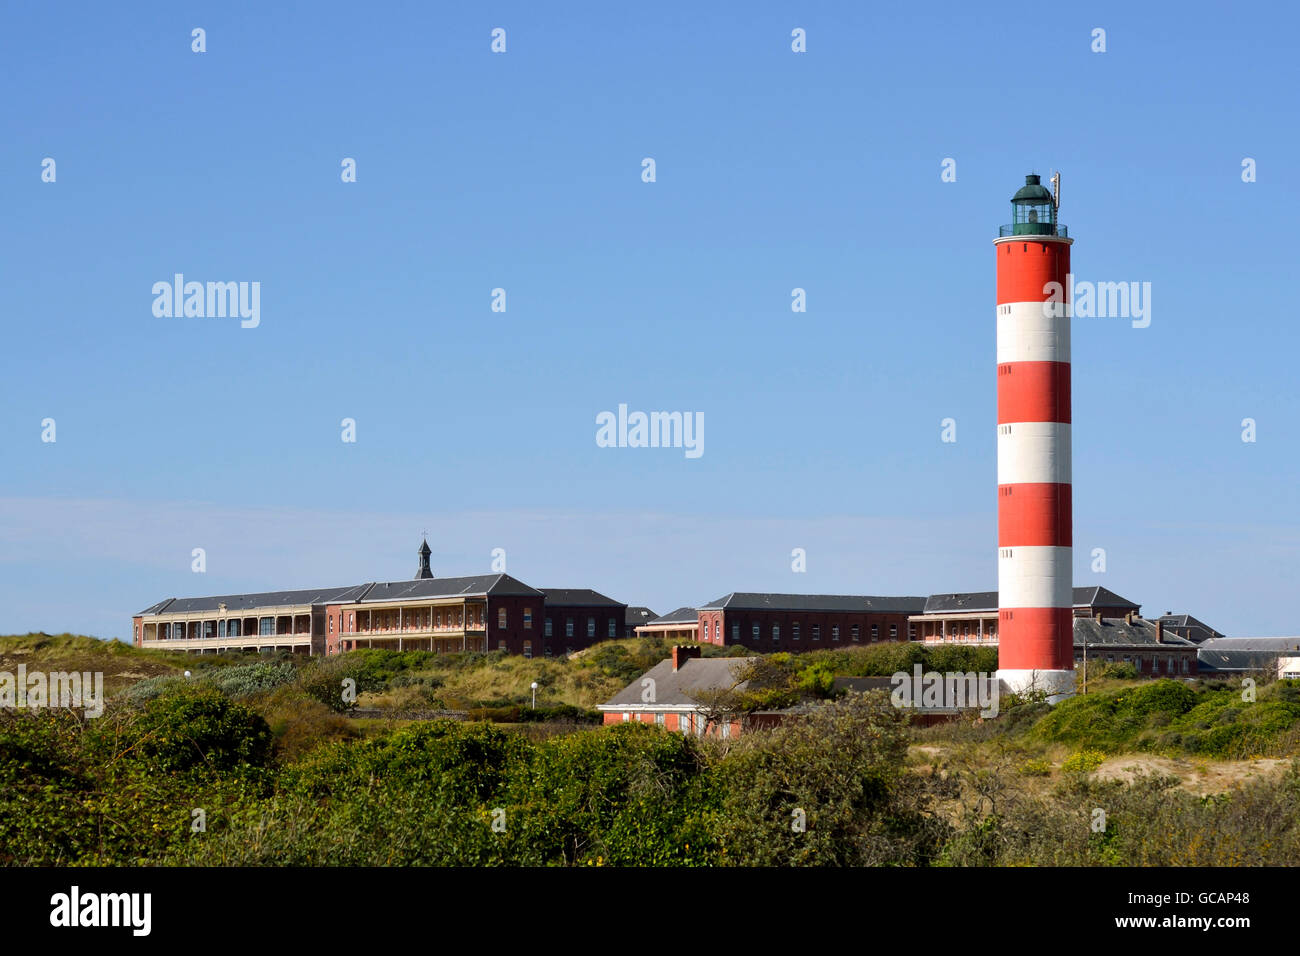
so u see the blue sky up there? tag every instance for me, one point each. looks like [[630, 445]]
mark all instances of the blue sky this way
[[522, 171]]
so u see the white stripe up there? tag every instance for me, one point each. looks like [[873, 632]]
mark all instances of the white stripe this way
[[1034, 452], [1035, 577], [1025, 334]]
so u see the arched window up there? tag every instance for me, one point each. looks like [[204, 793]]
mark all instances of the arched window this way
[[501, 618]]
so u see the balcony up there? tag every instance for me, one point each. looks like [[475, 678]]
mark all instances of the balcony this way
[[1028, 229]]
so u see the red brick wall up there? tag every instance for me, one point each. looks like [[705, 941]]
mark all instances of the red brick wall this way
[[786, 620], [558, 614], [515, 633]]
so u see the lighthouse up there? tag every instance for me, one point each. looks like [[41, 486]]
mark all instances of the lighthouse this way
[[1035, 576]]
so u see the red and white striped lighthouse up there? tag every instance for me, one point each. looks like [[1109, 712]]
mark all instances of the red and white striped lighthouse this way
[[1035, 574]]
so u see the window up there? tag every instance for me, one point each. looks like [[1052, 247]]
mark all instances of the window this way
[[735, 631], [613, 628], [626, 715], [794, 631], [548, 627], [234, 628], [776, 632], [591, 627], [1185, 665], [817, 632], [266, 625], [221, 627], [726, 729], [1138, 663], [568, 627], [528, 619], [856, 631], [352, 622], [501, 619], [893, 630], [223, 624], [659, 720], [528, 648], [755, 632], [437, 620], [501, 646], [835, 632], [911, 632]]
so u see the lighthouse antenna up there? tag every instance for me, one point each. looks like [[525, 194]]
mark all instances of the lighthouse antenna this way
[[1056, 191]]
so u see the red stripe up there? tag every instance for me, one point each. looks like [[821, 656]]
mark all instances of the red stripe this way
[[1033, 392], [1025, 266], [1035, 514], [1036, 638]]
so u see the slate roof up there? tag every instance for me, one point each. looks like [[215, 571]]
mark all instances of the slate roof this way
[[988, 601], [1113, 631], [1101, 597], [1190, 627], [1271, 645], [578, 597], [638, 615], [265, 599], [475, 585], [683, 615], [674, 688], [849, 603], [957, 603], [1246, 653]]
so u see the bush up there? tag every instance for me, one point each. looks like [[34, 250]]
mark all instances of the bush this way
[[1085, 761], [194, 729]]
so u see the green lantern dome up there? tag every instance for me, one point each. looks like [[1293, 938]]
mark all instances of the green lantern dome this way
[[1033, 191], [1033, 210]]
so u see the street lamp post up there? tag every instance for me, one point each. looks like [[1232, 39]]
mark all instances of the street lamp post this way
[[534, 695]]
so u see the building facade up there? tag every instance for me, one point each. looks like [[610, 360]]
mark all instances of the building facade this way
[[485, 612], [799, 622]]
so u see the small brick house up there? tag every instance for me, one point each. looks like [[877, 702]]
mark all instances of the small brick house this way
[[667, 694]]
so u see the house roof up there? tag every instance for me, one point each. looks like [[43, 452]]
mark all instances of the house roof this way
[[683, 615], [1100, 597], [1115, 631], [988, 600], [849, 603], [1271, 645], [1245, 653], [578, 597], [675, 688], [956, 603], [476, 585], [638, 615], [1190, 627], [263, 599]]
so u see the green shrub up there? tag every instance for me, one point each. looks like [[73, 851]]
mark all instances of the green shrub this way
[[1085, 761]]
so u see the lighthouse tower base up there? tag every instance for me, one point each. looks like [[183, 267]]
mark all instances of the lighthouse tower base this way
[[1058, 685]]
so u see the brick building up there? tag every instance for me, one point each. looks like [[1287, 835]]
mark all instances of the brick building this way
[[972, 617], [798, 622], [635, 617], [680, 626], [444, 615], [579, 617], [671, 698]]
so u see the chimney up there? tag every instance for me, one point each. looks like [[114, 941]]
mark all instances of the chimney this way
[[1128, 618], [683, 653], [1160, 631], [1097, 615]]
